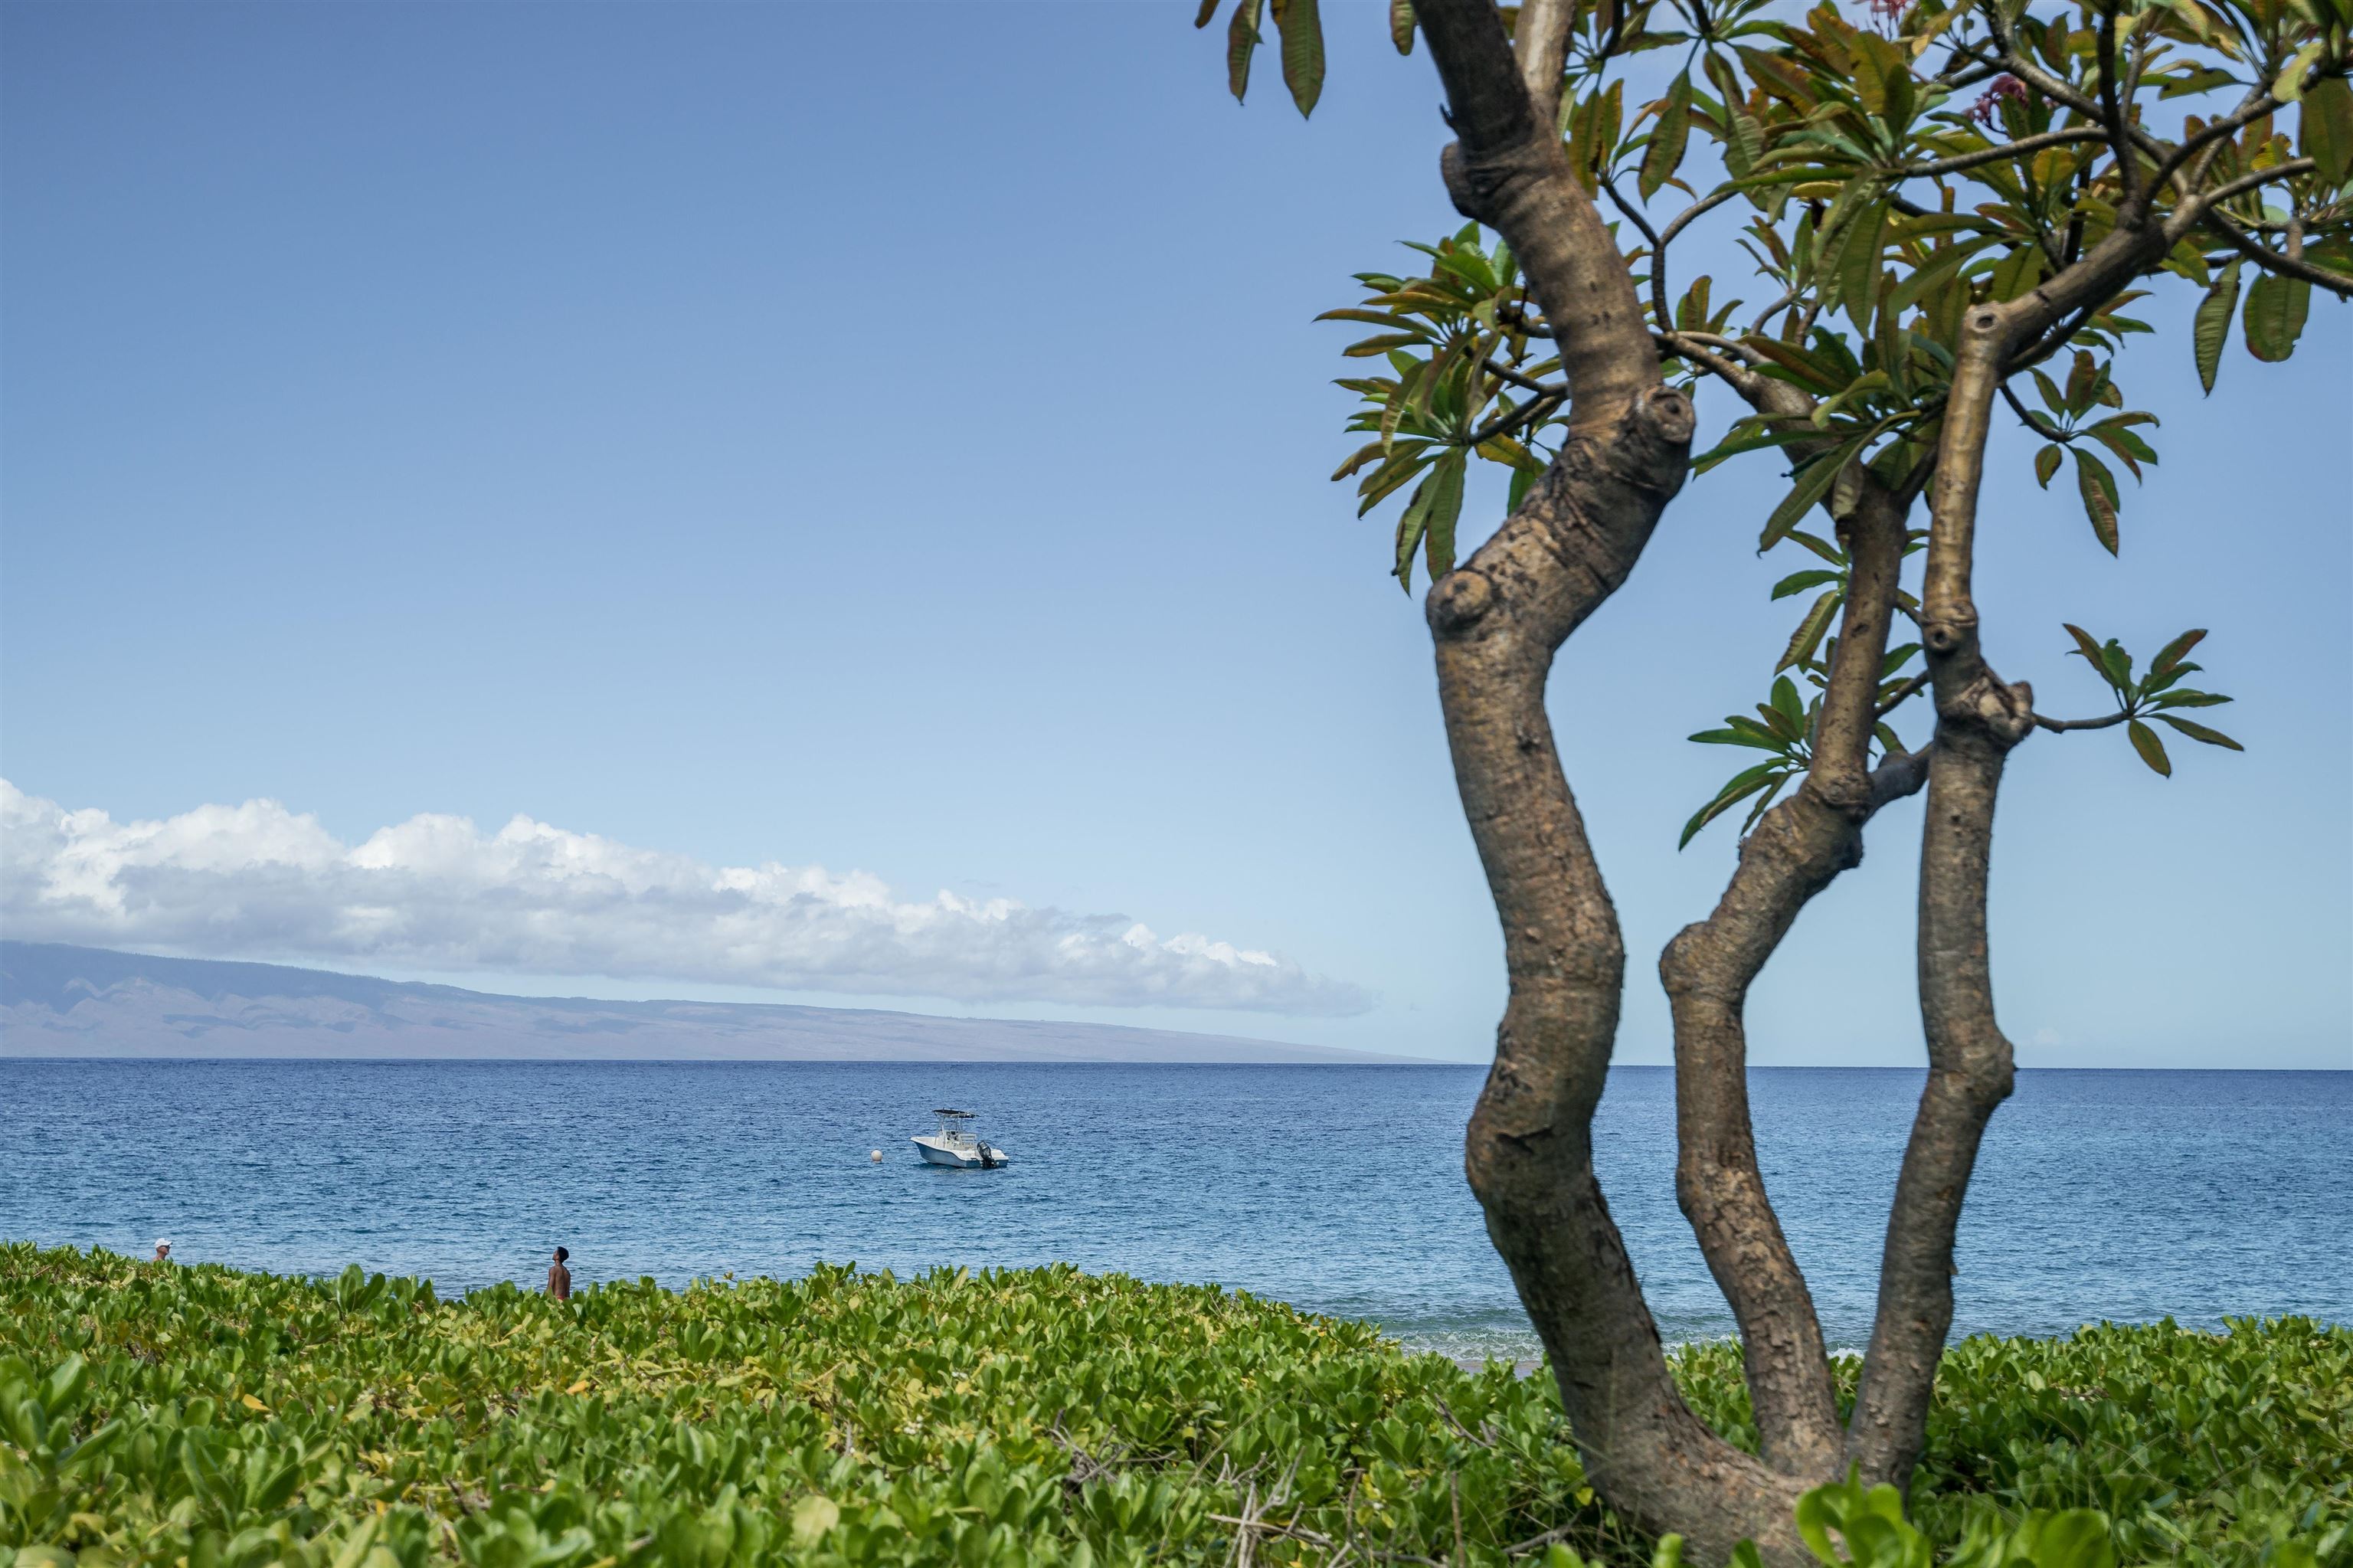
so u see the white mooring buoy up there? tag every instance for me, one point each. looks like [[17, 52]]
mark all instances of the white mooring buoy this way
[[876, 1157]]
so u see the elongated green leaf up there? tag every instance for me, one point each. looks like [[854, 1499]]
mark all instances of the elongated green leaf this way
[[1809, 631], [2097, 486], [1737, 737], [2274, 317], [2046, 463], [1301, 27], [1405, 460], [2212, 327], [2196, 731], [1932, 275], [1209, 9], [2118, 663], [2151, 749], [1799, 582], [2173, 652], [2089, 646], [1408, 530], [1814, 482], [2117, 435], [1401, 25], [2325, 130], [1445, 508], [1737, 789], [1664, 156], [1366, 347], [1242, 39]]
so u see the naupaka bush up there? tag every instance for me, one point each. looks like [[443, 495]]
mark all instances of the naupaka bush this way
[[208, 1418]]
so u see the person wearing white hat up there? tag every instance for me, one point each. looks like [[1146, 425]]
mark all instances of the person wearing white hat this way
[[162, 1252]]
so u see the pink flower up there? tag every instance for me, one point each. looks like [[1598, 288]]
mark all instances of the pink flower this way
[[2004, 87]]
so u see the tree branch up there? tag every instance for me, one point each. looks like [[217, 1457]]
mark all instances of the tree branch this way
[[2059, 727], [1682, 219], [1540, 44], [1658, 252], [2029, 417], [1970, 1074], [1766, 394], [1899, 696], [1502, 372], [2018, 149], [1507, 169], [2214, 198], [1526, 414], [1797, 849], [2112, 114], [2273, 261], [1497, 622], [2257, 104]]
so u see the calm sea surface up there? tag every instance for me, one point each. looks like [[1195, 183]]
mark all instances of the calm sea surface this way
[[2124, 1195]]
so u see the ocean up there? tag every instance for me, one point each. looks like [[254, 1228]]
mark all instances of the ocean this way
[[2123, 1195]]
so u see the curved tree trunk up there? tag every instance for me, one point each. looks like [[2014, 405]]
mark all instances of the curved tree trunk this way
[[1795, 852]]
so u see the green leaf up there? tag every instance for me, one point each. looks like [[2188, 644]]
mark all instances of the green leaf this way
[[1445, 508], [1209, 9], [2097, 486], [1668, 138], [1814, 482], [2151, 749], [2046, 463], [2276, 313], [2212, 327], [1799, 582], [1241, 39], [2172, 652], [2325, 130], [2116, 664], [1809, 631], [2130, 450], [1401, 25], [2196, 731], [2288, 86], [1932, 274], [1737, 789], [1750, 736], [2076, 1537], [1411, 523], [1302, 52], [2089, 646]]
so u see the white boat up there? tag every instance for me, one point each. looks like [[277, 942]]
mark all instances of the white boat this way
[[953, 1144]]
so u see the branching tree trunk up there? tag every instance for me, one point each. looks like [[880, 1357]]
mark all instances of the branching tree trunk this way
[[1947, 306]]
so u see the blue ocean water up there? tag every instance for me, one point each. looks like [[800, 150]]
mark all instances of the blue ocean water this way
[[2119, 1194]]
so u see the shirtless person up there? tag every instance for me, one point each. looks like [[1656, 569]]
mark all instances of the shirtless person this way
[[559, 1278]]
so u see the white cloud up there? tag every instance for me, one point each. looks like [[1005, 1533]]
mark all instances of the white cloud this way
[[436, 893]]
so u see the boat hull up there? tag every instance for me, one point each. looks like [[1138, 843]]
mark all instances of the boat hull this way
[[961, 1156]]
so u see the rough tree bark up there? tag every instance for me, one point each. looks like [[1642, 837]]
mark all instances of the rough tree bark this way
[[1979, 719], [1497, 623], [1795, 852]]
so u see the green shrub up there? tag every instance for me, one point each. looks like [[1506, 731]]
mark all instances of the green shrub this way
[[208, 1418]]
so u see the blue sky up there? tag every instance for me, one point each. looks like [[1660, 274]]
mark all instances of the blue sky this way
[[892, 438]]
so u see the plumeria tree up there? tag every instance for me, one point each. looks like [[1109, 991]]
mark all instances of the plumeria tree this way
[[1951, 207]]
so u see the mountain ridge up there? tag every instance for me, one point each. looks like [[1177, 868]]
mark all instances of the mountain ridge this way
[[62, 1000]]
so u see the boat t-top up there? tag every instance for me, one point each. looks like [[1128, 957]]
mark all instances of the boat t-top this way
[[953, 1144]]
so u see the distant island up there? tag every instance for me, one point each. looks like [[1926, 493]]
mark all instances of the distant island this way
[[59, 1000]]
